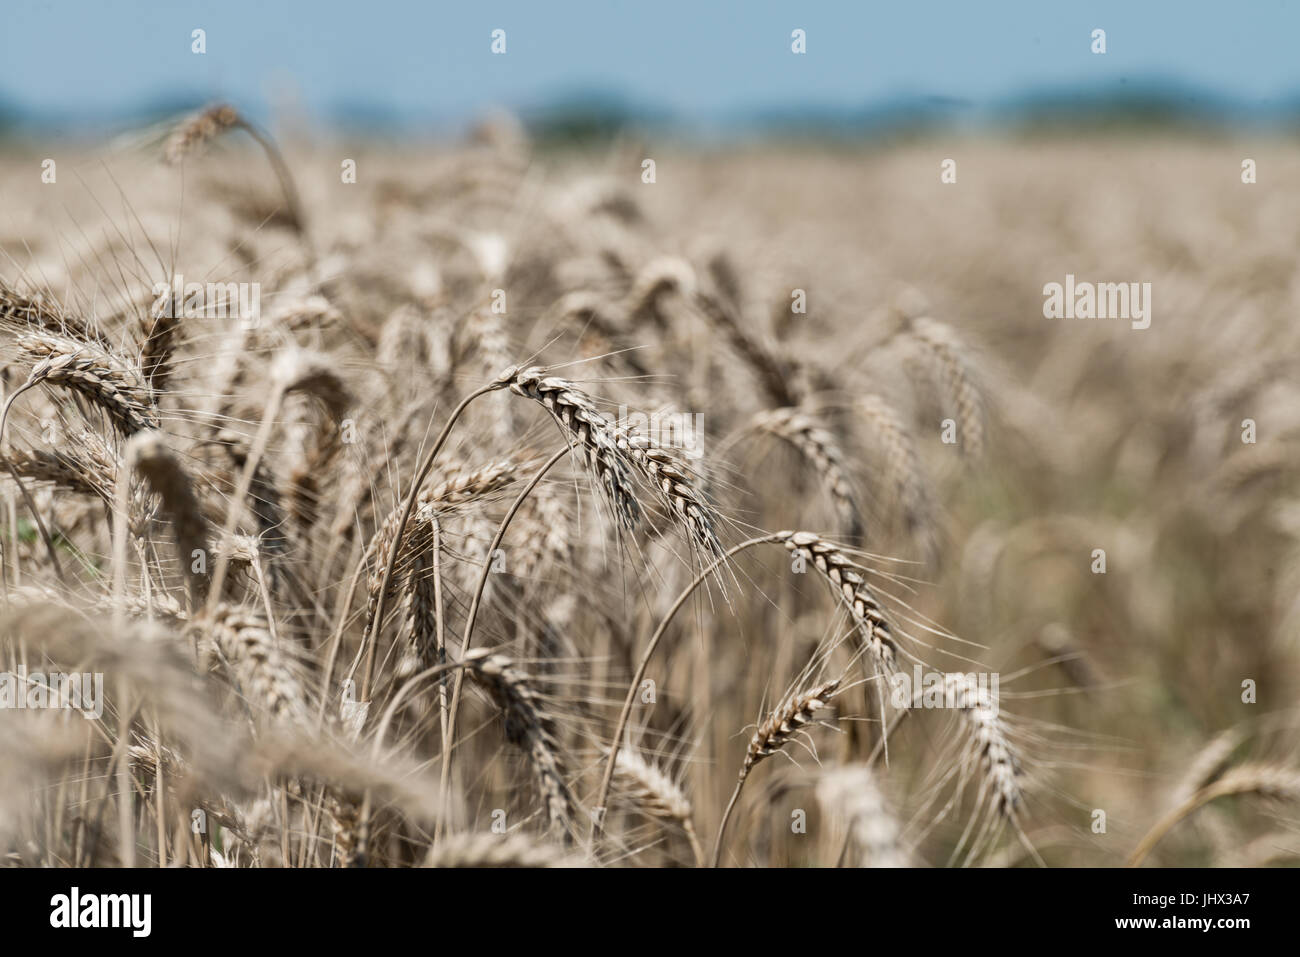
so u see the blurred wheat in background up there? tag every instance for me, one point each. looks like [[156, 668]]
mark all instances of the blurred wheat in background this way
[[413, 566]]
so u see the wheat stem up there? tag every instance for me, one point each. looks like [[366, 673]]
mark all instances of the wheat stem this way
[[615, 742], [472, 616]]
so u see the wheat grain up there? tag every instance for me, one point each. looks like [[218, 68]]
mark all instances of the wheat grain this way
[[527, 727]]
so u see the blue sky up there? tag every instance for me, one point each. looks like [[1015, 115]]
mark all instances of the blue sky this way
[[428, 60]]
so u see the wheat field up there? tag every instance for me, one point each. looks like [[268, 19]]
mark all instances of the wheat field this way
[[501, 508]]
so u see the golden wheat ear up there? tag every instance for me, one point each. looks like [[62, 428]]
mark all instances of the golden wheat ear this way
[[797, 711]]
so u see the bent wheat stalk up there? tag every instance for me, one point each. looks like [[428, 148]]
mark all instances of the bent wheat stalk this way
[[207, 125], [849, 584], [615, 742], [422, 473], [472, 615], [1266, 780]]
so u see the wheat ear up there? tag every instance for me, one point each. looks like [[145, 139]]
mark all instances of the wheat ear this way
[[244, 641], [790, 717], [27, 313], [850, 585], [495, 850], [816, 444], [852, 794], [656, 794], [148, 454], [611, 451], [947, 354], [107, 380], [528, 727]]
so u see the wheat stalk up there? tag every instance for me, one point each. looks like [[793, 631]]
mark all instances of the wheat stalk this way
[[1272, 781], [201, 128]]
